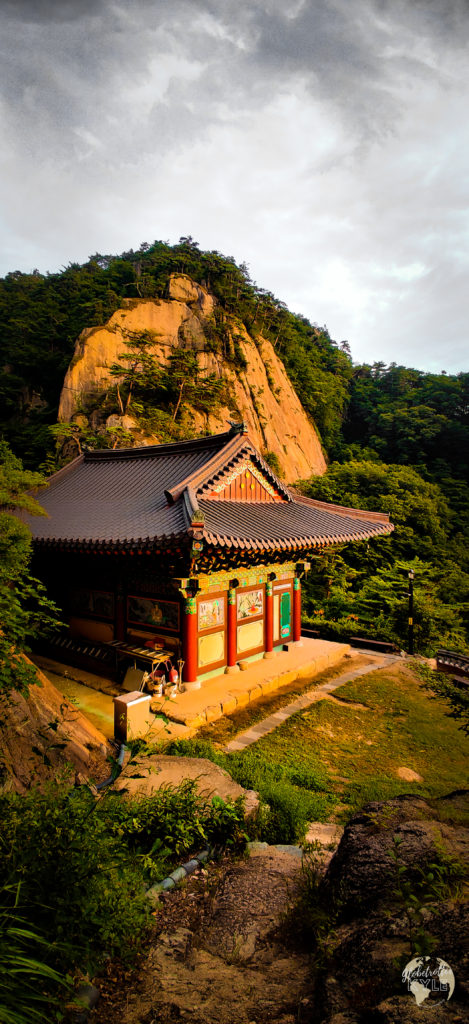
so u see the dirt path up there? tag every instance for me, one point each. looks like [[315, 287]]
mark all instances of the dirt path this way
[[321, 692], [221, 956]]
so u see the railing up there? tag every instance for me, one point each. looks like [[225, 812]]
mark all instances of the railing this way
[[356, 641], [373, 645], [451, 661]]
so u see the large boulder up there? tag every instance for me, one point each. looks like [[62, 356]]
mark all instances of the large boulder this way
[[364, 867], [387, 902], [150, 773]]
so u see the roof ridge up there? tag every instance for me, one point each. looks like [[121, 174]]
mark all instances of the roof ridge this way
[[216, 441], [234, 445]]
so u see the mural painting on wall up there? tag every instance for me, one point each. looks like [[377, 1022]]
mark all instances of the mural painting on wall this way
[[92, 602], [147, 611], [211, 613], [250, 604]]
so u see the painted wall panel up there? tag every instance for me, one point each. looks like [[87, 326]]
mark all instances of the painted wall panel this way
[[211, 648], [250, 635]]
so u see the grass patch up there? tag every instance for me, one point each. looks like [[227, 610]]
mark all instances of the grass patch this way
[[229, 726], [329, 760], [344, 755]]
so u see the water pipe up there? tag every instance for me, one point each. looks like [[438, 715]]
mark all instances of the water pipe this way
[[120, 762]]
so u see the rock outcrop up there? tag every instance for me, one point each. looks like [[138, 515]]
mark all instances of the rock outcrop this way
[[41, 734], [260, 390], [156, 770], [397, 885]]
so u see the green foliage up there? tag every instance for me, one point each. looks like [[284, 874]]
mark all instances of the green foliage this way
[[78, 886], [29, 986], [272, 460], [170, 823], [186, 383], [440, 879], [295, 793], [361, 590], [412, 418], [196, 748], [139, 374], [313, 918], [84, 865], [457, 695], [291, 793], [25, 611]]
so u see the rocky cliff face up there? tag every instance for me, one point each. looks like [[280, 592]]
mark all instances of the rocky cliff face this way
[[260, 391], [43, 733]]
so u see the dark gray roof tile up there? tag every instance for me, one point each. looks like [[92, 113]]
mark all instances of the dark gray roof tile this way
[[147, 495]]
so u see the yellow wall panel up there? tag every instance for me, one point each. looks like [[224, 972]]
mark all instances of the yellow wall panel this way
[[211, 648], [249, 635]]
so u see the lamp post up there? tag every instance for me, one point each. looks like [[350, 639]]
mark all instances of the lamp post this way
[[411, 611]]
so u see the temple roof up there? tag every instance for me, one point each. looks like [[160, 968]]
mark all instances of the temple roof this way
[[172, 493]]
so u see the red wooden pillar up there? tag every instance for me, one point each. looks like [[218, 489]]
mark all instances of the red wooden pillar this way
[[231, 646], [189, 644], [269, 621], [296, 610]]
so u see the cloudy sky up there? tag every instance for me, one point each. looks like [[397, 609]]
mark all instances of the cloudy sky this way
[[323, 142]]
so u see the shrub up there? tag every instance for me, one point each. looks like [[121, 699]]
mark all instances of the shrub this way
[[84, 866], [291, 794], [289, 813], [78, 885], [296, 794]]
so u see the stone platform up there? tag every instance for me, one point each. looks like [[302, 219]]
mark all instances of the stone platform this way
[[224, 694]]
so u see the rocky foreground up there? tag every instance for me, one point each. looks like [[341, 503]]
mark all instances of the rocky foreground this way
[[264, 939]]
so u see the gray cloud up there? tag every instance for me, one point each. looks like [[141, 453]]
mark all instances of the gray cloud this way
[[271, 130], [36, 11]]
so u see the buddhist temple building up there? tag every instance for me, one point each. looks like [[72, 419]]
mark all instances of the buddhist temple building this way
[[195, 547]]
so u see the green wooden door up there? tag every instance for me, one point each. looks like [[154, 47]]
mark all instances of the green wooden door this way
[[285, 614]]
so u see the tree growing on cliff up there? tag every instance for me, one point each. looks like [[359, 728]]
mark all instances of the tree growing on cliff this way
[[186, 382], [142, 381], [138, 372]]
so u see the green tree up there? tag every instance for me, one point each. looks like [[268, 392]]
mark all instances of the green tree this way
[[138, 370], [363, 587], [187, 383], [25, 610]]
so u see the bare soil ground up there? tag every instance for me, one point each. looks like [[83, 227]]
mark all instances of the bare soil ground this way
[[220, 954]]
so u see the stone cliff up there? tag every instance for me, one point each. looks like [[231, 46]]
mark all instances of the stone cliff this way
[[44, 733], [259, 388]]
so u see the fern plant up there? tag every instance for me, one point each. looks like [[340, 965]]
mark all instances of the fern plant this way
[[28, 985]]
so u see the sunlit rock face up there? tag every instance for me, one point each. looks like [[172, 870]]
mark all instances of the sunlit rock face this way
[[260, 391]]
